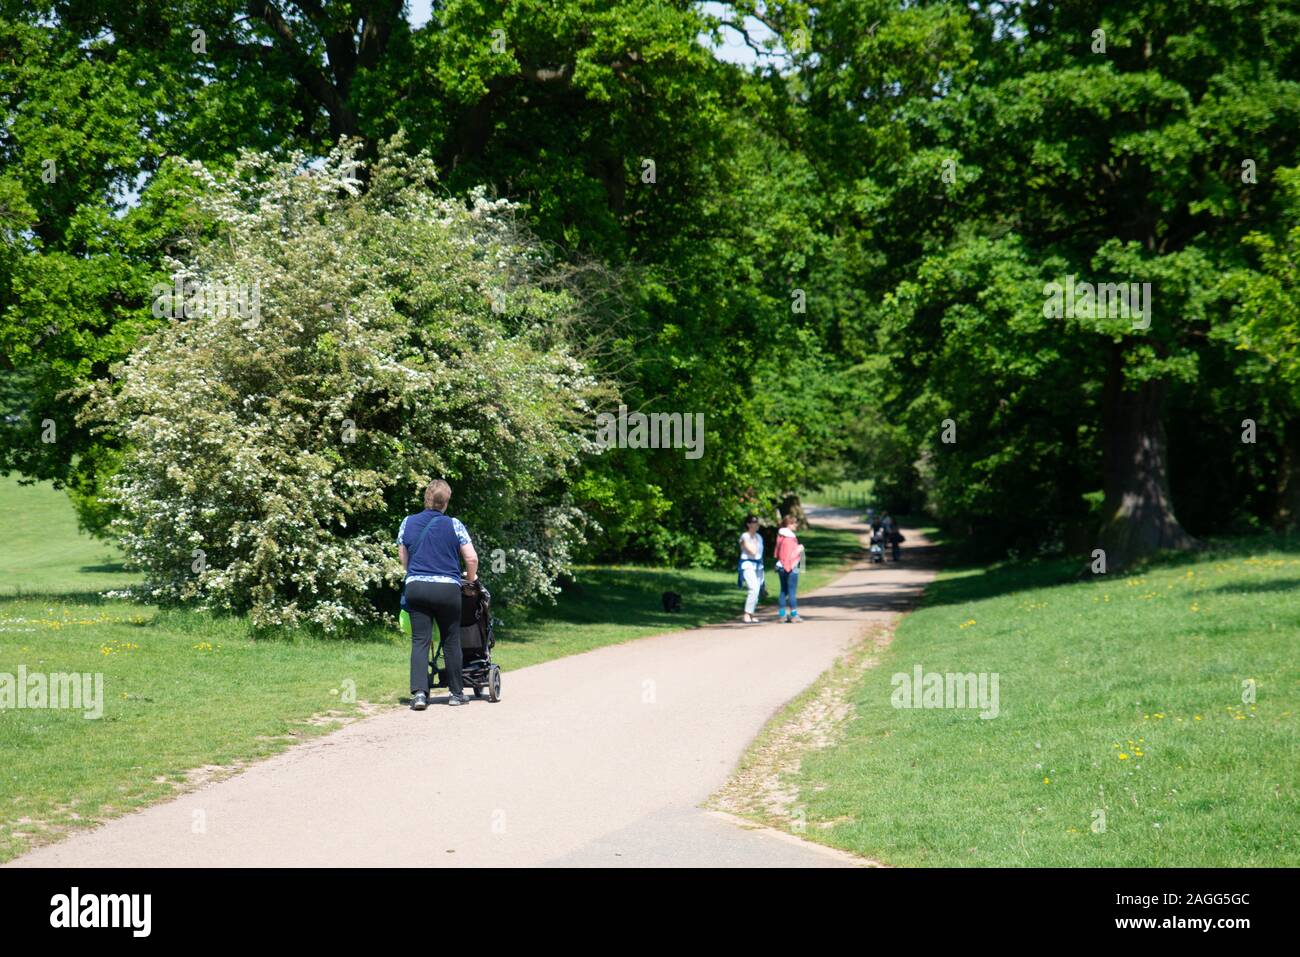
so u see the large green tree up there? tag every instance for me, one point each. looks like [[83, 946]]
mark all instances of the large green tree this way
[[93, 98], [980, 153], [562, 106], [838, 256], [1268, 304], [329, 353]]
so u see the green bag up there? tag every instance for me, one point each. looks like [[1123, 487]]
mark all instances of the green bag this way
[[404, 622]]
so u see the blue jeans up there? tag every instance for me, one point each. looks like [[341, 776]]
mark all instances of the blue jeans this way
[[789, 585]]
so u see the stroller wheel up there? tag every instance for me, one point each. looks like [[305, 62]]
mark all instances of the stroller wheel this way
[[494, 684], [478, 691]]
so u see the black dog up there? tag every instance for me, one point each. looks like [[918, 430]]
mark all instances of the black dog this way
[[672, 601]]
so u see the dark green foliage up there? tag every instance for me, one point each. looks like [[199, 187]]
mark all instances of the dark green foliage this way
[[912, 173]]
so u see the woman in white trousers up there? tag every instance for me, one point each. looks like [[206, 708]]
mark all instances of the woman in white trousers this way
[[751, 566]]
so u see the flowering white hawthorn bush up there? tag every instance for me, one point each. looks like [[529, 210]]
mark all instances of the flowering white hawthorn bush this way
[[400, 335]]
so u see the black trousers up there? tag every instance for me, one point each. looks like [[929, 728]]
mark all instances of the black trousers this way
[[427, 602]]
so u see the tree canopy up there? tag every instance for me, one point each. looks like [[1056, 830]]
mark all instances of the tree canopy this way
[[840, 253], [328, 352]]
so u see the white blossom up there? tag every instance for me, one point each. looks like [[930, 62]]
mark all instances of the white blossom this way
[[374, 310]]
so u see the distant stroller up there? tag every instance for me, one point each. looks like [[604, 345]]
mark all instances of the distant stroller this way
[[877, 547], [476, 641]]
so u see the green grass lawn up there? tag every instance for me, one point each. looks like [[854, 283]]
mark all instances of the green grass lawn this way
[[1120, 697], [184, 690], [850, 493]]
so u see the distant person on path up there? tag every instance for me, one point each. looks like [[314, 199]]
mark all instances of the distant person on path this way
[[892, 535], [431, 546], [750, 570], [789, 559]]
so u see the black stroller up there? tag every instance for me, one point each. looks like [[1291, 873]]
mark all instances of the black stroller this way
[[476, 641], [877, 547]]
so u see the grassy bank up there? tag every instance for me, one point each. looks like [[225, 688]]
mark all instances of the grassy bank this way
[[1126, 733], [185, 690]]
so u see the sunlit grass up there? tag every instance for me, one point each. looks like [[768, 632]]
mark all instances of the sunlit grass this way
[[851, 493], [1145, 720], [185, 689]]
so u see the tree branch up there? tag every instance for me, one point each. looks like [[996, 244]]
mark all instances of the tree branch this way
[[343, 121]]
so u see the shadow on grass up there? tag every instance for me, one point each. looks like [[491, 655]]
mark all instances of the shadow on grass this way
[[1282, 584], [1005, 578], [629, 597], [108, 568], [1009, 577], [201, 623], [1218, 549], [58, 598]]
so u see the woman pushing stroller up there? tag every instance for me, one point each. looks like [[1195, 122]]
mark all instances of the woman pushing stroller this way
[[431, 546], [885, 534]]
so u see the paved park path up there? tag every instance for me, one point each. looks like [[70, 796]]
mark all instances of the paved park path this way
[[601, 758]]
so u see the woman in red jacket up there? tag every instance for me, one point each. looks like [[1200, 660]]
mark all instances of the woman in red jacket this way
[[789, 560]]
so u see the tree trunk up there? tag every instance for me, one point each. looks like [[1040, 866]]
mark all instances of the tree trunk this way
[[1137, 516], [790, 503]]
